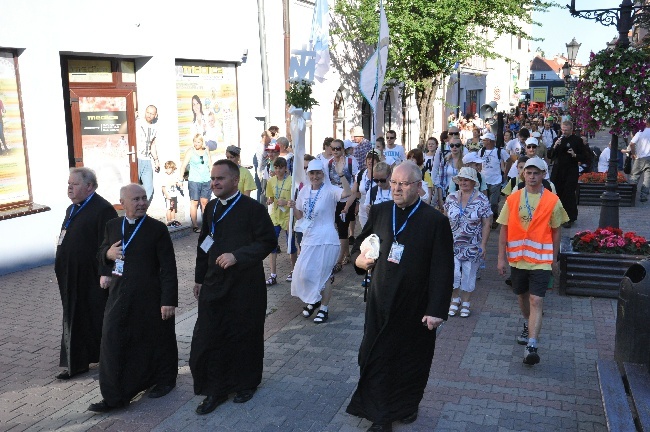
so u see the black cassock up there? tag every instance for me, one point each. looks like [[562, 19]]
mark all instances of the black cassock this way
[[565, 171], [396, 351], [78, 273], [228, 341], [139, 347]]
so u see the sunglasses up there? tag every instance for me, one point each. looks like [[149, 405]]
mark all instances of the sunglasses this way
[[336, 148], [454, 145], [391, 138], [531, 146], [453, 133], [380, 180], [202, 162]]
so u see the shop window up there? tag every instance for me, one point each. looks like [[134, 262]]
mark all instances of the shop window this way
[[15, 186]]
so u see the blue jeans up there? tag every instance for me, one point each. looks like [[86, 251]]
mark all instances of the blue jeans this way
[[145, 175]]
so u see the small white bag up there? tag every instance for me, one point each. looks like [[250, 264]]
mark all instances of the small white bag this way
[[371, 246]]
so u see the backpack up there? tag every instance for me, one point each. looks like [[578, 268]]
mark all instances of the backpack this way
[[331, 162], [482, 152]]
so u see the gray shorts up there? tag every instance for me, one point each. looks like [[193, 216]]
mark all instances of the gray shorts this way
[[533, 281]]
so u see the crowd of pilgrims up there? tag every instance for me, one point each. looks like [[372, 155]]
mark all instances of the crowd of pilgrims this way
[[464, 176]]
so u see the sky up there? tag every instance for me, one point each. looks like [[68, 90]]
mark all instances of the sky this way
[[559, 27]]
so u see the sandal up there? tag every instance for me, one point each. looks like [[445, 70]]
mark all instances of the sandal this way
[[308, 310], [337, 268], [289, 277], [195, 229], [321, 317], [453, 308], [176, 223], [464, 311], [272, 280], [346, 260]]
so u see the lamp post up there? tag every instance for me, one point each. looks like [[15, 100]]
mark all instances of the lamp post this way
[[572, 49], [623, 18]]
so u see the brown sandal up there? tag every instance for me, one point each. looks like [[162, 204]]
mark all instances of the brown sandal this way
[[346, 260], [337, 268]]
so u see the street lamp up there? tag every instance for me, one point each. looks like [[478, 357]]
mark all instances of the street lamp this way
[[623, 18]]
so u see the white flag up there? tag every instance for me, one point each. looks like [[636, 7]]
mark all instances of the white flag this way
[[372, 75], [320, 38]]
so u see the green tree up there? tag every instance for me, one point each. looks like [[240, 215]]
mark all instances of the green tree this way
[[429, 36]]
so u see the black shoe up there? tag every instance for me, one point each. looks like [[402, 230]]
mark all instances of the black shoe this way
[[160, 390], [381, 427], [410, 418], [530, 356], [509, 281], [65, 375], [495, 225], [103, 406], [244, 396], [351, 240], [210, 403], [522, 339]]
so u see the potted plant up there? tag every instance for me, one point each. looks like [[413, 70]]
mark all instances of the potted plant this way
[[299, 94], [592, 185], [594, 262]]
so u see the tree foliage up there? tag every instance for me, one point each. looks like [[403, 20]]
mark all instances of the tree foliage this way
[[429, 36]]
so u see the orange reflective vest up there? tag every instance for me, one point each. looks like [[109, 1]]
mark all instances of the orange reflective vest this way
[[534, 244]]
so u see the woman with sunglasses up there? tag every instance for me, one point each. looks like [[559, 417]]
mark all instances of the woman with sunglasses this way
[[314, 209], [198, 161], [446, 165]]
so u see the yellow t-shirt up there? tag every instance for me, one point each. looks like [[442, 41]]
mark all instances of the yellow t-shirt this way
[[558, 217], [279, 189], [246, 181]]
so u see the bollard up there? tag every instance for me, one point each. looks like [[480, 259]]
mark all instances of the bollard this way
[[632, 343]]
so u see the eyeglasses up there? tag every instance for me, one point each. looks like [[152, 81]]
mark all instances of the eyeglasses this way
[[454, 145], [453, 133], [336, 148], [402, 183], [380, 180], [531, 146], [390, 138], [201, 159]]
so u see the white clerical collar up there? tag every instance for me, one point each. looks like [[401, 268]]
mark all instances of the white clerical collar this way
[[129, 220], [225, 201]]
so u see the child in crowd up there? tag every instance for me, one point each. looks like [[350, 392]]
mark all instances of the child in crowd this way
[[170, 190], [278, 192]]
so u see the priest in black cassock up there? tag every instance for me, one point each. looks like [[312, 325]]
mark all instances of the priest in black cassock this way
[[138, 340], [408, 299], [78, 273], [228, 342]]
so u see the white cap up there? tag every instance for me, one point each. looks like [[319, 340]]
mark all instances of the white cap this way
[[472, 157], [532, 141], [489, 136], [537, 163], [536, 134], [315, 165], [347, 144]]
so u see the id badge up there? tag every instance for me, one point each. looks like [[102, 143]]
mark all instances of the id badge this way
[[119, 267], [61, 237], [207, 244], [282, 208], [395, 254], [303, 225]]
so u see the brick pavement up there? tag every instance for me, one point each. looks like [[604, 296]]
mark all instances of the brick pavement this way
[[477, 381]]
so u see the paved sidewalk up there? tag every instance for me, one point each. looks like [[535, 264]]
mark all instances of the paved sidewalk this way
[[477, 381]]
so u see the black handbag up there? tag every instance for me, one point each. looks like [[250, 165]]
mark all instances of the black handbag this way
[[627, 164]]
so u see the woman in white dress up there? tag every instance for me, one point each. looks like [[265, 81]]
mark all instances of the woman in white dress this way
[[319, 249], [364, 183]]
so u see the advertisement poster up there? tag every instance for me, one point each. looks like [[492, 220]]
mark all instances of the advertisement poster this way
[[104, 139], [207, 105], [540, 94], [14, 186]]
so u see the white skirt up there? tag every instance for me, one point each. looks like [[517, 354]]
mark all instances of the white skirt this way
[[312, 270]]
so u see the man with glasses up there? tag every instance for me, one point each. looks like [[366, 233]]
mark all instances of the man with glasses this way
[[393, 149], [408, 299]]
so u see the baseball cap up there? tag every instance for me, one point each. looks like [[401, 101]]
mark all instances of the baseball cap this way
[[273, 147], [472, 157], [347, 144], [315, 165], [536, 134], [233, 150], [537, 163], [532, 141], [489, 136]]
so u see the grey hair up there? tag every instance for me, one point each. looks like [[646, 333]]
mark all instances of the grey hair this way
[[415, 173], [87, 175], [124, 188], [283, 141], [382, 167]]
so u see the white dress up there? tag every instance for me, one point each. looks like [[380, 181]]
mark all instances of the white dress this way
[[320, 244]]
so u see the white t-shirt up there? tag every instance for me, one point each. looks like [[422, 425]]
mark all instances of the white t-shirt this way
[[382, 196], [323, 230], [548, 137], [642, 141], [513, 147], [603, 160], [396, 153], [145, 134], [491, 171]]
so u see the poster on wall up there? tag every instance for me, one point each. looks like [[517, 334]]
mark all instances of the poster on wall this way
[[207, 106], [14, 181], [540, 94]]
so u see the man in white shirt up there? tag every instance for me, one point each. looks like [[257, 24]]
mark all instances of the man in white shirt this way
[[494, 160], [392, 149], [548, 134], [640, 151]]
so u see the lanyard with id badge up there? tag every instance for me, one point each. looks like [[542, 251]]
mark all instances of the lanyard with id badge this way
[[208, 241], [278, 192], [306, 222], [73, 214], [396, 249], [119, 262]]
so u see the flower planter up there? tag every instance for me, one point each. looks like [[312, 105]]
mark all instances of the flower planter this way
[[588, 194], [592, 274]]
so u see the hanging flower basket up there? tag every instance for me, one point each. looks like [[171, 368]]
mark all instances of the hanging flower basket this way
[[614, 92], [299, 94]]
